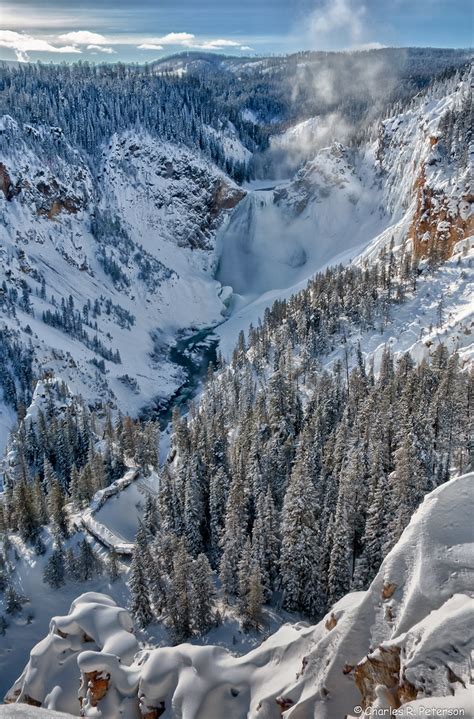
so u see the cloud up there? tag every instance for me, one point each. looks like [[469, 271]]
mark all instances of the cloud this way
[[189, 40], [176, 38], [84, 37], [150, 46], [215, 44], [368, 46], [101, 48], [341, 17], [22, 44]]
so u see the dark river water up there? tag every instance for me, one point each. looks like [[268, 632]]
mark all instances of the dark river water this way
[[193, 354]]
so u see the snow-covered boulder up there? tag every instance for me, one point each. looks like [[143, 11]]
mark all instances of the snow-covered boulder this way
[[51, 678]]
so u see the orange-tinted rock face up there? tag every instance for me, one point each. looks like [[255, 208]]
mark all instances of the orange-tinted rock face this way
[[380, 668], [68, 204], [388, 590], [6, 186], [155, 712], [436, 226], [383, 669], [331, 622], [96, 685], [225, 197]]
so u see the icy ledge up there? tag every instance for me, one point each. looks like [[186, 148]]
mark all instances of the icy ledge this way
[[406, 641]]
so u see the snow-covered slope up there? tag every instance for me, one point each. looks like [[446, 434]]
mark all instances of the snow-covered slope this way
[[130, 238], [21, 711], [406, 639]]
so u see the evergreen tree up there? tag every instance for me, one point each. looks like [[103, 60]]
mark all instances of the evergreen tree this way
[[140, 607], [300, 553], [13, 600], [178, 601], [88, 563], [202, 595], [55, 502], [113, 569], [340, 566], [251, 608], [233, 539], [54, 570]]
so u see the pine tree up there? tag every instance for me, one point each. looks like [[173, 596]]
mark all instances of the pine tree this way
[[140, 607], [409, 481], [113, 569], [300, 554], [178, 602], [13, 600], [251, 609], [202, 594], [88, 563], [26, 518], [244, 568], [340, 567], [70, 565], [151, 519], [233, 539], [55, 502], [266, 543], [193, 512], [54, 570]]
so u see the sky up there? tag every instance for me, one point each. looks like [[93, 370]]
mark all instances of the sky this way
[[143, 30]]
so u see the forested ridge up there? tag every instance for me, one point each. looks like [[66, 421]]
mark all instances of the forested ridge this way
[[89, 103]]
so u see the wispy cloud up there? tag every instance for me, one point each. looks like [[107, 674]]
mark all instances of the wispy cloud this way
[[22, 44], [150, 46], [84, 37], [175, 38], [101, 48], [189, 40]]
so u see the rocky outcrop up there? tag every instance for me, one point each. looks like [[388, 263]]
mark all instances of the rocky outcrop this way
[[225, 197], [439, 222], [6, 185], [68, 204], [94, 687], [382, 668]]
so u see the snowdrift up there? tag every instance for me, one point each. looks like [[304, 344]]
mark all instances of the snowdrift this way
[[405, 642]]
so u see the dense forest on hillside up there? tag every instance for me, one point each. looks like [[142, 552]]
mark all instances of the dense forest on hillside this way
[[289, 480], [91, 102]]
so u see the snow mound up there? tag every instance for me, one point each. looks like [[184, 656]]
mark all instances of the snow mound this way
[[51, 678], [406, 641]]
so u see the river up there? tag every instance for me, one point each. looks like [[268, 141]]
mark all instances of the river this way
[[194, 353]]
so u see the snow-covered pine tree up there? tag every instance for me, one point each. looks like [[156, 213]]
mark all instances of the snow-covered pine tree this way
[[300, 547], [54, 570], [202, 595], [140, 607]]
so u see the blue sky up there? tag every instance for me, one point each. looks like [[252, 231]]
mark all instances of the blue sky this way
[[142, 30]]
